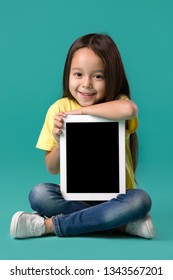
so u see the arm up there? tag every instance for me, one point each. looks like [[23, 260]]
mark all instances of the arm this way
[[52, 158], [116, 110]]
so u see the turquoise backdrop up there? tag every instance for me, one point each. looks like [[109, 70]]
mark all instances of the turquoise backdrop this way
[[34, 39]]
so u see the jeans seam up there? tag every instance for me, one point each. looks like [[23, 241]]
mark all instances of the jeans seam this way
[[56, 226]]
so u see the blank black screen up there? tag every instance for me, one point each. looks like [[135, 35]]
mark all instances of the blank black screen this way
[[92, 157]]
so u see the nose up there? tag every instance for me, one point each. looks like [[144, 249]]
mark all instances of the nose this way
[[87, 83]]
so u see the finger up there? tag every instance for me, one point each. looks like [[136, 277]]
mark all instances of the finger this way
[[56, 132], [58, 118], [58, 124], [61, 115]]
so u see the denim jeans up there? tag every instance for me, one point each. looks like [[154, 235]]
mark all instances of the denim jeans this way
[[72, 218]]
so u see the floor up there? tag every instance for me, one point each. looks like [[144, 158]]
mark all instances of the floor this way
[[94, 246]]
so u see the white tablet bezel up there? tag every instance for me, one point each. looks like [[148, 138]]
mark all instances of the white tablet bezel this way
[[63, 171]]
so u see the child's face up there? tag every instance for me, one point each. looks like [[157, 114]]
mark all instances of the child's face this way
[[87, 79]]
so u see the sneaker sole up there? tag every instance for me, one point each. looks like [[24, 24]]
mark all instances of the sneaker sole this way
[[149, 233], [150, 227], [13, 226]]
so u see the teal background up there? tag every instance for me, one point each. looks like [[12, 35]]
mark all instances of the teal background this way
[[34, 39]]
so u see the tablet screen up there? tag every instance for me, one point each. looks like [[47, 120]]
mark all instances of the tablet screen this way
[[93, 155]]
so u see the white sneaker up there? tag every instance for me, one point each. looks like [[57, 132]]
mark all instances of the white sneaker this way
[[24, 225], [142, 227]]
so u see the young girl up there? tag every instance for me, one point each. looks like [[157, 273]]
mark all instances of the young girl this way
[[94, 83]]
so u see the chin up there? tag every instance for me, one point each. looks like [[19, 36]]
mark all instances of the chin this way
[[86, 105]]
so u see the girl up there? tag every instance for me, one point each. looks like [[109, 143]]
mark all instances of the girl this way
[[94, 83]]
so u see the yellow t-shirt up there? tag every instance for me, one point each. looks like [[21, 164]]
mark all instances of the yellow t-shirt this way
[[47, 142]]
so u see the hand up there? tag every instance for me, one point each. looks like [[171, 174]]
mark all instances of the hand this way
[[58, 125]]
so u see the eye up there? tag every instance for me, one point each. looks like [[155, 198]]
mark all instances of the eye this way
[[99, 76], [77, 74]]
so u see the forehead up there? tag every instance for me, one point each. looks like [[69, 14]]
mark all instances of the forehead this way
[[85, 57]]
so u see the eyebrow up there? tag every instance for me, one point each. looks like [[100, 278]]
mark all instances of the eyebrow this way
[[96, 70]]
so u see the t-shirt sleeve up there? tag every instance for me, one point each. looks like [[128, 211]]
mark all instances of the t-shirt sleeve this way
[[46, 140]]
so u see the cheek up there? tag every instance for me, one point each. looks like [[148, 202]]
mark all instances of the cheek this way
[[72, 87], [72, 83], [103, 89]]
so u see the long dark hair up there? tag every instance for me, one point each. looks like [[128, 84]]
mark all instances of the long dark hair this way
[[115, 76]]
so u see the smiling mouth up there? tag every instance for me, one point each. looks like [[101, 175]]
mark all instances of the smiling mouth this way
[[87, 93]]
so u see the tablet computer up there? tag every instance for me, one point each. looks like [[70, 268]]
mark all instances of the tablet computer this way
[[92, 158]]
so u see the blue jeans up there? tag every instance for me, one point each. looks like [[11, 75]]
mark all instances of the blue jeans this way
[[72, 218]]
